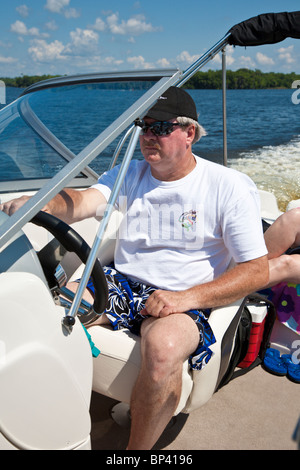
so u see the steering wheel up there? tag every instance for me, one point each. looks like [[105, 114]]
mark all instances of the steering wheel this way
[[73, 242]]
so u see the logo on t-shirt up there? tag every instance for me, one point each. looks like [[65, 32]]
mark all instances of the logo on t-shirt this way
[[188, 219]]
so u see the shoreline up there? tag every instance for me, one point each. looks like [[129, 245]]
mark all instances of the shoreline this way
[[241, 79]]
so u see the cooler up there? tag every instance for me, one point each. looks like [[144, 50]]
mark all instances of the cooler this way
[[258, 314]]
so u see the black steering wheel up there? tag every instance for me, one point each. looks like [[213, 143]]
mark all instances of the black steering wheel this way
[[73, 242]]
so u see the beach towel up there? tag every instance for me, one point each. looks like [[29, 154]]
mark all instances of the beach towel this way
[[286, 298]]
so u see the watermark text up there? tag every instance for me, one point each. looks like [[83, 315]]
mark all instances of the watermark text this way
[[296, 94], [163, 223], [2, 92], [296, 353]]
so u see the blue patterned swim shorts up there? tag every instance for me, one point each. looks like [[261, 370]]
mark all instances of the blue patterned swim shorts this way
[[127, 298]]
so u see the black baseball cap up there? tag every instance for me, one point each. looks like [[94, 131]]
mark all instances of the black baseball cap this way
[[173, 103]]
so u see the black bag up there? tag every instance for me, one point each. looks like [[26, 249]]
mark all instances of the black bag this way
[[243, 336]]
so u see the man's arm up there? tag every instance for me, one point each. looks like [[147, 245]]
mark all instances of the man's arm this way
[[234, 284], [70, 205]]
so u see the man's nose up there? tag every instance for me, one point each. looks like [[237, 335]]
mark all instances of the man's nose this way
[[148, 134]]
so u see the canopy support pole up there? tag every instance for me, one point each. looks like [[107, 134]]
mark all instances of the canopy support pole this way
[[224, 106]]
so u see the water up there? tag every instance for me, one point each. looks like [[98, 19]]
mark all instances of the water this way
[[263, 133]]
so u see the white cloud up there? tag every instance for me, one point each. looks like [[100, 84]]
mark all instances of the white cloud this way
[[72, 13], [99, 25], [285, 54], [41, 51], [186, 58], [112, 61], [264, 59], [23, 10], [7, 60], [246, 62], [164, 63], [51, 25], [134, 26], [19, 27], [60, 7], [83, 38], [83, 43], [139, 62], [56, 6]]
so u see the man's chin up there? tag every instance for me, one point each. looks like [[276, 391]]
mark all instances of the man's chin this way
[[151, 155]]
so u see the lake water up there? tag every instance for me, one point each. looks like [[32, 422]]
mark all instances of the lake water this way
[[263, 133]]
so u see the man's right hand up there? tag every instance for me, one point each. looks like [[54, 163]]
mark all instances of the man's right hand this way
[[10, 207]]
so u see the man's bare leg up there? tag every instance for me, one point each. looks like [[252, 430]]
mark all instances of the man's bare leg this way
[[166, 343], [101, 319], [283, 233], [285, 268]]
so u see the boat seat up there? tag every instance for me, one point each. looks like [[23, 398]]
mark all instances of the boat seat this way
[[117, 367]]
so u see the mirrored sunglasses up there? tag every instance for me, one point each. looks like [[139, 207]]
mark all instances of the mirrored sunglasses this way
[[158, 128]]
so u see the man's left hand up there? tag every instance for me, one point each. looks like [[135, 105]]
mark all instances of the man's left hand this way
[[163, 303]]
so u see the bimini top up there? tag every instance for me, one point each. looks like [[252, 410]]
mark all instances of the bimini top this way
[[268, 28]]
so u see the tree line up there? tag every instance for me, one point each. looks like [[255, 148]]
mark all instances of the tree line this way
[[212, 79], [242, 79], [25, 80]]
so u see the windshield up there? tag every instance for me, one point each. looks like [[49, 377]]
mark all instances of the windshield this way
[[23, 154], [45, 129], [77, 114]]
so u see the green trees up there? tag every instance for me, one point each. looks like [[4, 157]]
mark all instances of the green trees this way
[[25, 80], [242, 79]]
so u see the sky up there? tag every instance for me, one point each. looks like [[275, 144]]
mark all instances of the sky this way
[[60, 37]]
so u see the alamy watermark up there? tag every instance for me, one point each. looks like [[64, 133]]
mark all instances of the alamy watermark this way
[[296, 352], [169, 224], [2, 92], [296, 94]]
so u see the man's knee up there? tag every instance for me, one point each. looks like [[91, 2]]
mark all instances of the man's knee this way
[[288, 264], [167, 342], [159, 352], [291, 219]]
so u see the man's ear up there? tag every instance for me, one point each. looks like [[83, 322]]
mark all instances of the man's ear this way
[[190, 134]]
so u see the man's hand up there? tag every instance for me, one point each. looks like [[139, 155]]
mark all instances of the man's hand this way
[[163, 303], [12, 206], [232, 285]]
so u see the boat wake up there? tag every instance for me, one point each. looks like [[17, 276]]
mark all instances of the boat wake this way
[[275, 169]]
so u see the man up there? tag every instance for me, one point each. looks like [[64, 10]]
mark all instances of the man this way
[[185, 221]]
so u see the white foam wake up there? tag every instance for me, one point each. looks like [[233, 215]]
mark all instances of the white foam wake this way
[[275, 169]]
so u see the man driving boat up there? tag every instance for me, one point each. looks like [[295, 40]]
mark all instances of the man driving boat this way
[[191, 239]]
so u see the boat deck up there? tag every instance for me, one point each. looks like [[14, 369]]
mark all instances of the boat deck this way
[[257, 411]]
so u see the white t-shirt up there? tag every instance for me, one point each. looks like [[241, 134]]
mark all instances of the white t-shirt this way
[[178, 234]]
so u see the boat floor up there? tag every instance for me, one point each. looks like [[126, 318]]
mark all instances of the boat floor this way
[[256, 411]]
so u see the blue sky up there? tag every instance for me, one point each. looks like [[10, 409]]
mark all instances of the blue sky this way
[[82, 36]]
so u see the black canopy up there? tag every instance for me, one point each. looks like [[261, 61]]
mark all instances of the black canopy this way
[[268, 28]]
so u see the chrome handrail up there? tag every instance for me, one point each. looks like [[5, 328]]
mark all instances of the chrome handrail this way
[[69, 320], [119, 148]]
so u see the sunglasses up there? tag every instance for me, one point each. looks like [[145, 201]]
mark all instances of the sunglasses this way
[[158, 128]]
